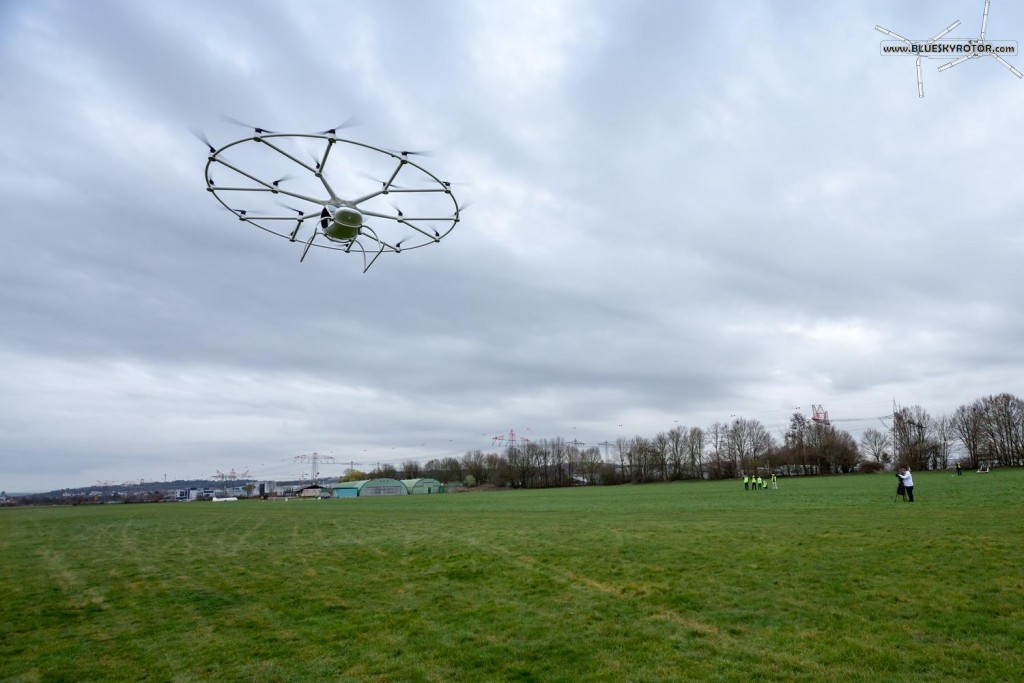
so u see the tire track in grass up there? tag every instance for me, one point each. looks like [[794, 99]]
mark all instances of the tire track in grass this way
[[570, 577], [75, 592], [65, 579]]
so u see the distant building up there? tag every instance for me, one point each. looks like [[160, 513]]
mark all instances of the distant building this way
[[370, 487], [424, 485]]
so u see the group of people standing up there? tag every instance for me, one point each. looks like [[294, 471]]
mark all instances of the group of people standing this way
[[905, 488], [756, 483]]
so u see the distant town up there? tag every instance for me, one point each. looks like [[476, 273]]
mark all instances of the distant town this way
[[213, 490]]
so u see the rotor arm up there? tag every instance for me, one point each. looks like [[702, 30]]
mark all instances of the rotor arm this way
[[1005, 63], [945, 31], [285, 154], [950, 65], [250, 176], [892, 34]]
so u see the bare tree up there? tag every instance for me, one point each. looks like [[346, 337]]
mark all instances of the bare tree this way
[[623, 449], [940, 441], [831, 450], [677, 448], [474, 465], [795, 442], [451, 469], [748, 441], [573, 464], [499, 472], [969, 425], [384, 471], [695, 451], [717, 435], [559, 461], [659, 457], [642, 457], [877, 445], [541, 453], [1004, 428], [523, 462], [910, 437], [591, 464]]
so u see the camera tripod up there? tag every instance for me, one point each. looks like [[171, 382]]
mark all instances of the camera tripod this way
[[901, 492]]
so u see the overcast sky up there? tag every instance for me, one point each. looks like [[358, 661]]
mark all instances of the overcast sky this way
[[681, 212]]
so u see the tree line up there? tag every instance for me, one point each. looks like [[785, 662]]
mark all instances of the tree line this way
[[988, 431]]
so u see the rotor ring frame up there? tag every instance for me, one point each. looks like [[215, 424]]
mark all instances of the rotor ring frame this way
[[435, 186]]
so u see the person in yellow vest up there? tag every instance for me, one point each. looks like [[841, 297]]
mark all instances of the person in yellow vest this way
[[760, 482], [746, 482], [775, 483]]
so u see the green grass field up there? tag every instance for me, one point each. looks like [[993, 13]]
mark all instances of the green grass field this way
[[824, 579]]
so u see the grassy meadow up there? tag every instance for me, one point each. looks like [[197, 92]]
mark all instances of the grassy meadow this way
[[824, 579]]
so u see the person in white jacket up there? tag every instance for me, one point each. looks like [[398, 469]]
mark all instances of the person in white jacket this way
[[908, 482]]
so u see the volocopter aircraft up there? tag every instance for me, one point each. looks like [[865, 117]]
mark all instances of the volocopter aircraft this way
[[276, 165]]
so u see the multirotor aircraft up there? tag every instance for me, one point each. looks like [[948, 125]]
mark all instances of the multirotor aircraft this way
[[256, 172], [969, 49], [975, 54], [937, 36]]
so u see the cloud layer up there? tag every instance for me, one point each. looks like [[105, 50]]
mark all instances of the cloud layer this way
[[680, 212]]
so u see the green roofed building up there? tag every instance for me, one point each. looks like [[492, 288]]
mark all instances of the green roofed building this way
[[369, 487], [423, 485]]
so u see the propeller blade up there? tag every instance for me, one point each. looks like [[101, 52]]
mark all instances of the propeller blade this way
[[198, 132], [243, 213], [290, 208], [398, 210], [347, 123], [243, 124], [302, 215], [379, 181], [314, 160], [408, 152], [282, 179], [325, 216]]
